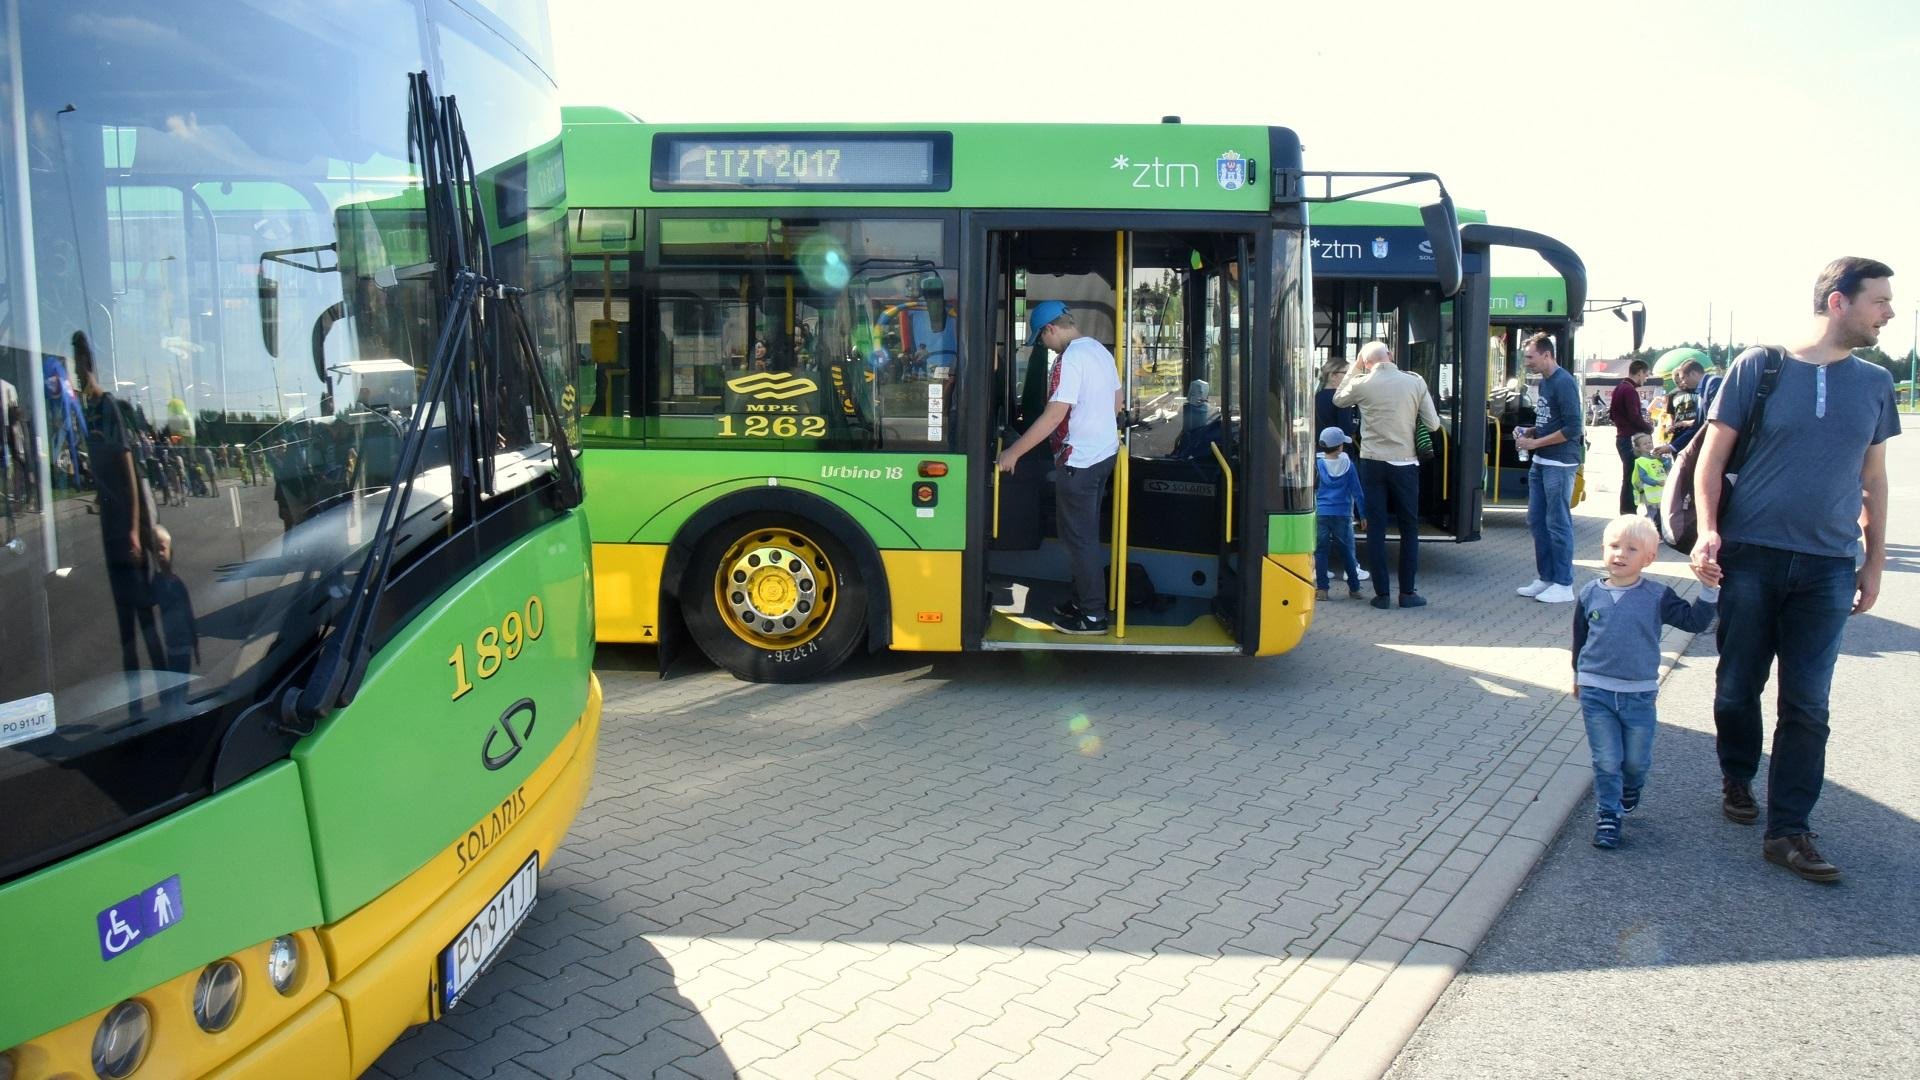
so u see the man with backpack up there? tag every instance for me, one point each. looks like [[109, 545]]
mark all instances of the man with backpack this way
[[1781, 544]]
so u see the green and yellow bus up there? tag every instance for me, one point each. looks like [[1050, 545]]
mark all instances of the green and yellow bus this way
[[1375, 276], [296, 696], [802, 350]]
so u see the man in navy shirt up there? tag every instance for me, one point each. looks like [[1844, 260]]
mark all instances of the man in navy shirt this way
[[1782, 542], [1556, 441]]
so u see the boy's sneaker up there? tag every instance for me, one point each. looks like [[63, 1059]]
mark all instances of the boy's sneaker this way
[[1798, 854], [1629, 798], [1354, 594], [1606, 833], [1319, 594], [1066, 609], [1736, 801], [1081, 623], [1364, 575], [1408, 599], [1556, 594], [1535, 588]]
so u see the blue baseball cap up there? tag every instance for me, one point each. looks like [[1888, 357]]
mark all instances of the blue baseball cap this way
[[1043, 313]]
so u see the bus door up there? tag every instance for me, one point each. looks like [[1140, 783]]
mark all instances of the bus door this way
[[1420, 326], [1167, 305]]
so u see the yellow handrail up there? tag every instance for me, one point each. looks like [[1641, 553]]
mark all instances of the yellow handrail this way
[[999, 447], [1226, 470], [1446, 463], [1494, 421]]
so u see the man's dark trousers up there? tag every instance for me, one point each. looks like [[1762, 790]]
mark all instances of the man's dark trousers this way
[[1775, 602], [1624, 444], [1395, 490]]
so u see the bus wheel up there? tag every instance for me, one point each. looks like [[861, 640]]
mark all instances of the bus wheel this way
[[772, 599]]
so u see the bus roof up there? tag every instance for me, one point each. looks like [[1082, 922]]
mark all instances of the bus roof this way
[[1185, 167], [1383, 214]]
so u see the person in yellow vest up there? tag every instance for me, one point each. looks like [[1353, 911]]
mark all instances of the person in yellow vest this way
[[1649, 476]]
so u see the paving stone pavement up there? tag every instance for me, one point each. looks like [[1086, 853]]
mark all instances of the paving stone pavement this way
[[1027, 865]]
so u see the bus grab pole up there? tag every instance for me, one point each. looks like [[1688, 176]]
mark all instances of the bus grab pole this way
[[1124, 340]]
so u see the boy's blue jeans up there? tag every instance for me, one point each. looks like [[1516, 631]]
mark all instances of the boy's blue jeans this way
[[1335, 538], [1620, 730]]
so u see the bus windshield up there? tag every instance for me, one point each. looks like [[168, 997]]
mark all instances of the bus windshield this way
[[219, 309]]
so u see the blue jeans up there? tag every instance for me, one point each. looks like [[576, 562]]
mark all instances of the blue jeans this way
[[1550, 517], [1335, 538], [1391, 489], [1777, 603], [1620, 730]]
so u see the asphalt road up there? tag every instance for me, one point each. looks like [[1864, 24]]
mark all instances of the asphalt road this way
[[1684, 954]]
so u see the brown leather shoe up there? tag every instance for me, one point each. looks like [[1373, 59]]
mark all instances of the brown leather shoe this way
[[1736, 801], [1798, 854]]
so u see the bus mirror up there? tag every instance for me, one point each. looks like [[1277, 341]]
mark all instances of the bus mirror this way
[[1443, 235], [933, 292], [269, 291]]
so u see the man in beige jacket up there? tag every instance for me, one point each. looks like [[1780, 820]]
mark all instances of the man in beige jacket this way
[[1391, 401]]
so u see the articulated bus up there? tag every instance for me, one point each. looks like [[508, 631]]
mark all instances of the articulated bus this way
[[295, 672], [1375, 276], [804, 349]]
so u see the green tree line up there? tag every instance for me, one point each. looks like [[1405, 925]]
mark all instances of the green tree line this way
[[1901, 366]]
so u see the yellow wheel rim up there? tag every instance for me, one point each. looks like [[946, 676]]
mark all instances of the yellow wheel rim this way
[[774, 589]]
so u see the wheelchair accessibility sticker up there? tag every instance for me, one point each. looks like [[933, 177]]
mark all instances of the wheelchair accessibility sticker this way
[[139, 917]]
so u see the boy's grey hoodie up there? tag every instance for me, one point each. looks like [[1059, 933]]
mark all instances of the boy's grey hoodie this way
[[1616, 632]]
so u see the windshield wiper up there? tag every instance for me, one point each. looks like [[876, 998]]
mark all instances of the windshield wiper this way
[[463, 259]]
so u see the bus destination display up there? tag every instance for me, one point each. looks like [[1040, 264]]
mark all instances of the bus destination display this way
[[804, 163]]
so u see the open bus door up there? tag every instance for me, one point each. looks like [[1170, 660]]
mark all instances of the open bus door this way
[[1510, 320], [1171, 305]]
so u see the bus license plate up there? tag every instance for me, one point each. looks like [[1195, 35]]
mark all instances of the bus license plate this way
[[475, 949]]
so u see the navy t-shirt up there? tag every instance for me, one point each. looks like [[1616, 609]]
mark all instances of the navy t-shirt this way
[[1559, 410], [1799, 488]]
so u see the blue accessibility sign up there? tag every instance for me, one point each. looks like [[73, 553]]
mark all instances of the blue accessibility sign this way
[[140, 916]]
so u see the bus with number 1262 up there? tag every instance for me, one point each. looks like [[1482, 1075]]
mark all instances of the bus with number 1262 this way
[[802, 349]]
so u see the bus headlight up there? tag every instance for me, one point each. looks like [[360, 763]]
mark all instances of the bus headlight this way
[[121, 1043], [283, 963], [216, 997]]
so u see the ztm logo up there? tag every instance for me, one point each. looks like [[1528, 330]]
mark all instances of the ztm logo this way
[[772, 385]]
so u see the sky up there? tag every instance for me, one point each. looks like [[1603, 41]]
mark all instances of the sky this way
[[1696, 154]]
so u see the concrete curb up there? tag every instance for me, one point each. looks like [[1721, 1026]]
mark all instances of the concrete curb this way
[[1373, 1040]]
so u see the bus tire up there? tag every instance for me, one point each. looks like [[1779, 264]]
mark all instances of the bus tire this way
[[775, 598]]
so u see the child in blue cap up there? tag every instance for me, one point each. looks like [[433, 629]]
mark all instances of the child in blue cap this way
[[1336, 500]]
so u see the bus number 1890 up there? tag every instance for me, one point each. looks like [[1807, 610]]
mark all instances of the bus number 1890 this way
[[495, 645]]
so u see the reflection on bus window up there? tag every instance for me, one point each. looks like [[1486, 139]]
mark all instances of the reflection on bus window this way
[[755, 332]]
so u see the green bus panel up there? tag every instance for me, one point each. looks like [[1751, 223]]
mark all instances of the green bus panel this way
[[1291, 534], [1031, 166], [395, 778], [246, 873], [1368, 212], [1527, 297], [631, 506]]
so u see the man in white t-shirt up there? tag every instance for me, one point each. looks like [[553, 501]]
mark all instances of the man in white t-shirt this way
[[1083, 399]]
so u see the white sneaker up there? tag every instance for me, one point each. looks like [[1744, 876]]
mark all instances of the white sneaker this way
[[1534, 589], [1556, 594], [1364, 576]]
